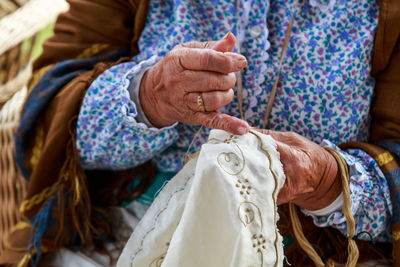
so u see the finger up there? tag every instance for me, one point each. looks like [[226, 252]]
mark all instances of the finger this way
[[221, 121], [283, 195], [225, 44], [284, 137], [197, 44], [217, 99], [203, 81], [286, 193], [297, 172], [210, 60], [211, 100]]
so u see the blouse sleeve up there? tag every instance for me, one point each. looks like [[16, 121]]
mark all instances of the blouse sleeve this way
[[370, 199], [109, 134]]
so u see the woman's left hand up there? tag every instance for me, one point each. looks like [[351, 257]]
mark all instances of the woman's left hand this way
[[312, 180]]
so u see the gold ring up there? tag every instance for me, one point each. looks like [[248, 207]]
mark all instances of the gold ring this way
[[200, 103]]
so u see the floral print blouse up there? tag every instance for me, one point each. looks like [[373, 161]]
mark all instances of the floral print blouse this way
[[324, 93]]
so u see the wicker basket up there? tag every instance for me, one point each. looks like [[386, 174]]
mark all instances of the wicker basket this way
[[12, 184], [21, 25], [9, 6], [19, 32]]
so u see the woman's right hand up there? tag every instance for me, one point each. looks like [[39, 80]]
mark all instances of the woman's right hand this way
[[169, 91]]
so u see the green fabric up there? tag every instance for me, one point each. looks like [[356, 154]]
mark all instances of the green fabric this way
[[160, 180], [41, 37], [287, 241]]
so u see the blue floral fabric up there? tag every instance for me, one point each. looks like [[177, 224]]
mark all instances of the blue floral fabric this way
[[369, 190], [325, 88]]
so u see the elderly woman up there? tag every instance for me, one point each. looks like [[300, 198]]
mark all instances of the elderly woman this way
[[304, 72]]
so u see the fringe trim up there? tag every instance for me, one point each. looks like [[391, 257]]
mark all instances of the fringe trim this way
[[71, 194]]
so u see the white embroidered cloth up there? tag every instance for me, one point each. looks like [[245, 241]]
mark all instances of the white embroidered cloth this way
[[220, 210]]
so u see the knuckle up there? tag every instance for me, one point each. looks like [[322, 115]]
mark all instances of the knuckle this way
[[170, 82], [217, 121], [172, 60], [231, 80], [230, 95], [185, 53], [304, 169], [225, 81], [178, 57], [224, 98], [214, 121], [218, 100], [206, 45], [225, 63], [214, 82], [230, 64], [190, 44], [188, 75], [205, 59], [208, 121], [172, 54], [292, 135]]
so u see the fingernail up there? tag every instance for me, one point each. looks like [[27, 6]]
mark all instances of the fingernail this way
[[226, 35], [242, 63], [241, 130]]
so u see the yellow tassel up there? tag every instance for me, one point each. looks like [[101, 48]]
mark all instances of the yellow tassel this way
[[38, 198], [25, 260], [37, 148], [20, 225], [93, 50], [77, 190], [396, 235]]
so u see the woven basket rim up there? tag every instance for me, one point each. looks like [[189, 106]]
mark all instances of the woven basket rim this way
[[8, 89], [28, 20]]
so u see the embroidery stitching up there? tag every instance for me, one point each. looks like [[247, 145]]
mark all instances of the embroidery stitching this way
[[156, 219], [274, 194], [246, 211], [244, 186]]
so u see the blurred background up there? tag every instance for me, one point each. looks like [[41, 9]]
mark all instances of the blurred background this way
[[24, 26]]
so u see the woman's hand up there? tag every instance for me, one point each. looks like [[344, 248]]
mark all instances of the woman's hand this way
[[312, 176], [170, 90]]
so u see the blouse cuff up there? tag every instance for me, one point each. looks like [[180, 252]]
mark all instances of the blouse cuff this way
[[334, 206], [370, 199], [134, 87], [335, 216], [333, 212]]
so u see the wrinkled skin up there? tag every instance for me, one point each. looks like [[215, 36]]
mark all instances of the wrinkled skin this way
[[168, 93], [312, 180], [169, 90]]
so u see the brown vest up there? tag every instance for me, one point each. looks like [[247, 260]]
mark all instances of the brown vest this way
[[118, 23]]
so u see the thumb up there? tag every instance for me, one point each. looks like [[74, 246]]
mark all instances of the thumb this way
[[226, 44], [217, 120]]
